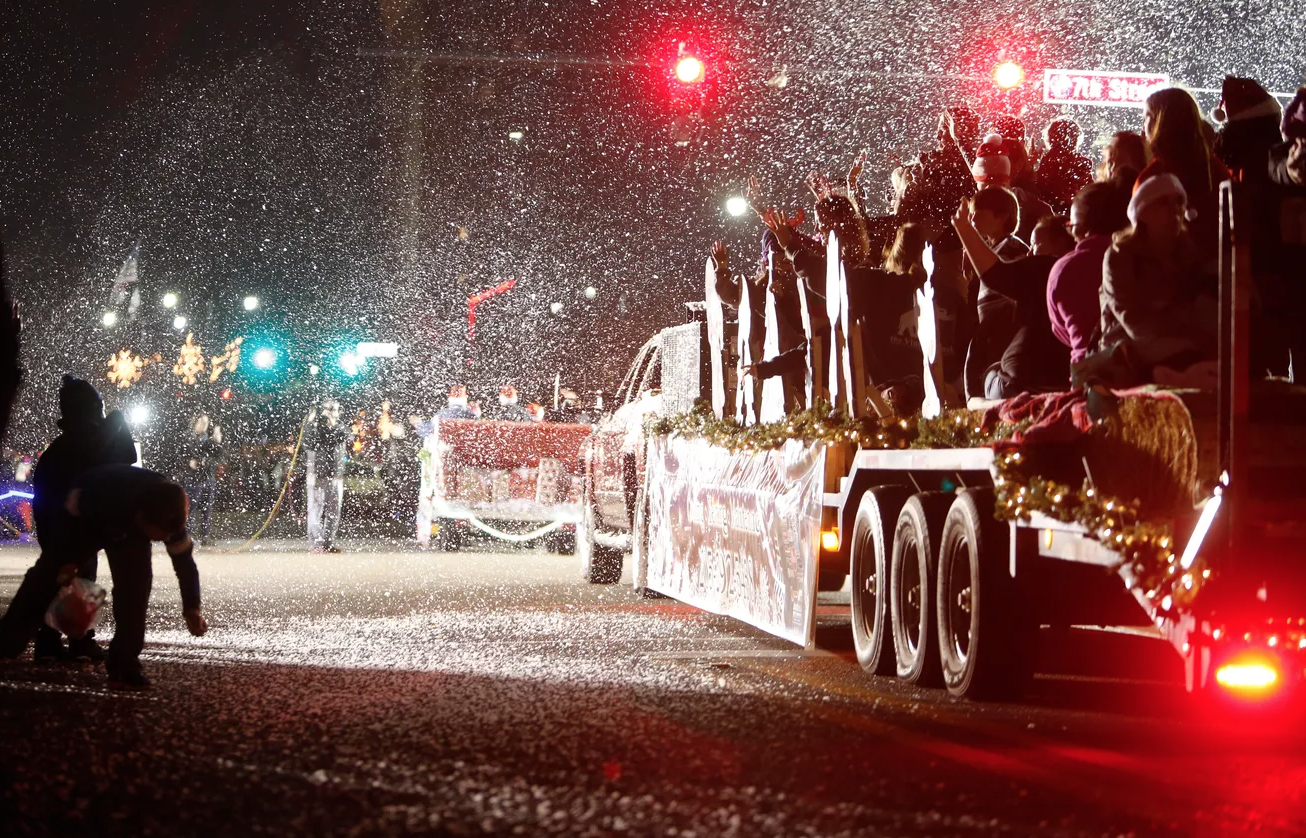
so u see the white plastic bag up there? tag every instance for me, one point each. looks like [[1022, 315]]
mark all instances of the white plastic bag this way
[[76, 610]]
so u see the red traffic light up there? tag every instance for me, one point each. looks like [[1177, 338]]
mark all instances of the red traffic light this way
[[690, 69], [1008, 75]]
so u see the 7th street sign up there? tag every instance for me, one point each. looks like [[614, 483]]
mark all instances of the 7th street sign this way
[[1089, 87]]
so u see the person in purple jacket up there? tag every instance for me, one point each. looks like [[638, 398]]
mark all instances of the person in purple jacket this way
[[1074, 309]]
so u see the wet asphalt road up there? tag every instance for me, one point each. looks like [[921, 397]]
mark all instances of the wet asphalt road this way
[[387, 693]]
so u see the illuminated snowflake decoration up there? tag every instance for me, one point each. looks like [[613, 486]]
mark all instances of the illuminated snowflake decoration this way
[[190, 362], [227, 361], [125, 368]]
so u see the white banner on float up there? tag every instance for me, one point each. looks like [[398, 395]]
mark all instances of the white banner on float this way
[[737, 533]]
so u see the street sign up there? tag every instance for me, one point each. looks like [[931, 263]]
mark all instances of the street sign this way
[[1091, 87]]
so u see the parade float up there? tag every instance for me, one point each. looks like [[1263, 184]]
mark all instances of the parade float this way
[[961, 533]]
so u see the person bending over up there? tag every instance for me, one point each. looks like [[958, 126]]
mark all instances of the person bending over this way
[[123, 509]]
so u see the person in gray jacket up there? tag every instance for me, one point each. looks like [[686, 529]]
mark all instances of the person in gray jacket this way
[[325, 441]]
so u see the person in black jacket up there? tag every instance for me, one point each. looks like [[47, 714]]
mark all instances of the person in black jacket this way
[[122, 509], [325, 442], [89, 439], [200, 456], [1033, 360]]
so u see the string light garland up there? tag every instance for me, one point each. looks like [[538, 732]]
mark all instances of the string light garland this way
[[954, 429], [1146, 548]]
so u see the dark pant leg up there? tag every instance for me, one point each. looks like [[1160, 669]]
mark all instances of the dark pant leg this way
[[133, 574], [201, 494], [334, 492]]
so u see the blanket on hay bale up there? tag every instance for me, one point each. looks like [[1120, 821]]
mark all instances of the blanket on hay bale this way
[[1149, 448]]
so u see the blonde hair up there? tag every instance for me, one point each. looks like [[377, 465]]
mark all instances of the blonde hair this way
[[907, 249]]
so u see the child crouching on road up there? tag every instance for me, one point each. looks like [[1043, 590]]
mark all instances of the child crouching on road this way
[[122, 510]]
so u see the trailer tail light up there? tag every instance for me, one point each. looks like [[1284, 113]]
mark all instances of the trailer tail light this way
[[1248, 677], [830, 540]]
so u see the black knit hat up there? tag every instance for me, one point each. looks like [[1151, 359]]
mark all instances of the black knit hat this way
[[79, 402]]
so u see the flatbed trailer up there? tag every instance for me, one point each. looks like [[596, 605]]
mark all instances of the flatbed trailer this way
[[946, 592]]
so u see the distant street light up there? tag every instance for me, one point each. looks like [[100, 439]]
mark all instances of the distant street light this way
[[179, 322], [591, 292], [265, 358], [170, 300], [251, 303], [556, 308], [516, 136], [736, 205], [109, 319]]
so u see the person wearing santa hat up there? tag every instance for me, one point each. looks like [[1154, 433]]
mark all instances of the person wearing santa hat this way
[[457, 407], [1251, 128], [509, 410], [1152, 287], [993, 167]]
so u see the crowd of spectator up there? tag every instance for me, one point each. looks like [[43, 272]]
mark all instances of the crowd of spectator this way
[[1050, 272]]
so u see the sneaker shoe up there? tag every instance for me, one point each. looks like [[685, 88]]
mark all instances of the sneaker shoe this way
[[86, 650], [129, 682], [49, 648], [332, 549]]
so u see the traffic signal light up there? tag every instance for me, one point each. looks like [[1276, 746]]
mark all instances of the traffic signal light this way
[[1008, 75], [690, 68]]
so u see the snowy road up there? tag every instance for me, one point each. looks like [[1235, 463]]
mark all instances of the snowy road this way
[[494, 693]]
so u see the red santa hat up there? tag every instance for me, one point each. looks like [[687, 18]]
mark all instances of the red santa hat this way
[[992, 162]]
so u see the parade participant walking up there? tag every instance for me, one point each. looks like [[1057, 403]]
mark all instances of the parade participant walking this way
[[325, 443], [201, 454], [123, 509], [89, 439]]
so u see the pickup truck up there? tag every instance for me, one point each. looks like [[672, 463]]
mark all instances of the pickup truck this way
[[613, 460]]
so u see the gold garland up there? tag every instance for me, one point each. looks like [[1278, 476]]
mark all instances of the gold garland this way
[[954, 429], [1147, 548]]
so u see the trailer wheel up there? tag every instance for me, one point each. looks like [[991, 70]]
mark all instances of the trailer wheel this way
[[912, 572], [983, 646], [871, 548], [600, 565]]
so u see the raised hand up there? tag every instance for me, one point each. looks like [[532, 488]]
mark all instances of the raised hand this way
[[779, 227], [961, 218], [856, 171], [752, 194], [720, 257]]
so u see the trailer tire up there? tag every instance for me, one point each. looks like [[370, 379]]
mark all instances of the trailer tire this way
[[870, 552], [600, 565], [912, 574], [983, 641]]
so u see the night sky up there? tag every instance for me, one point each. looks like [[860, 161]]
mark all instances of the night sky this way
[[328, 155]]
